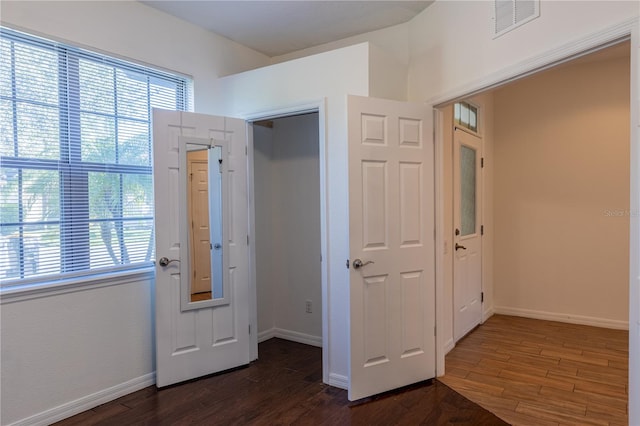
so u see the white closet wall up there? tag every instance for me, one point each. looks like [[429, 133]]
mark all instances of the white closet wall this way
[[263, 183], [287, 206]]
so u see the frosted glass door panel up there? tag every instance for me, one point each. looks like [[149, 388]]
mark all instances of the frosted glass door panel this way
[[467, 190]]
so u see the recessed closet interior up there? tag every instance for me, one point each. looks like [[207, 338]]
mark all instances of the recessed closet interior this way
[[287, 228]]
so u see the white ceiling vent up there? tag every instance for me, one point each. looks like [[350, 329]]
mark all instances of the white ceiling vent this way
[[510, 14]]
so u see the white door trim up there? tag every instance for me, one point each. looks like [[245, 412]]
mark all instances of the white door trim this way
[[595, 41], [312, 106]]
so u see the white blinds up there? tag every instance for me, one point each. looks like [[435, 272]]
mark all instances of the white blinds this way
[[76, 192]]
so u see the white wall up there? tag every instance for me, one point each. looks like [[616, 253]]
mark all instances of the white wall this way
[[288, 263], [296, 154], [264, 195], [58, 349], [393, 40], [452, 48], [327, 77], [131, 30], [562, 194], [67, 353], [387, 76], [388, 59]]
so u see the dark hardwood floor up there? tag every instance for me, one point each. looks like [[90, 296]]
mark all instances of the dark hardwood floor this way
[[284, 387]]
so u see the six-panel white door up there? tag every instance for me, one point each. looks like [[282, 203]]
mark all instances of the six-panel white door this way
[[467, 257], [391, 232], [198, 342]]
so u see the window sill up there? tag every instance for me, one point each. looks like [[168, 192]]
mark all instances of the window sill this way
[[20, 293]]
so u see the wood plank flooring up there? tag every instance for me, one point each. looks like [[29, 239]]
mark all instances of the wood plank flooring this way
[[533, 372], [284, 387]]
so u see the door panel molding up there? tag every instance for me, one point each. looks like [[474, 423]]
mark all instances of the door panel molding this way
[[197, 342]]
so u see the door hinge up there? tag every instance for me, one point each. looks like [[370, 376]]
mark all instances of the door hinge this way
[[481, 229], [247, 239], [347, 263], [246, 150], [482, 163], [482, 297], [249, 328], [435, 331]]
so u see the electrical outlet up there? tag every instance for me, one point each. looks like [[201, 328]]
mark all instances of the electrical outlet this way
[[308, 306]]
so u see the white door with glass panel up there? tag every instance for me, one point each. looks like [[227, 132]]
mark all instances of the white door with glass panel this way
[[391, 234], [467, 257], [200, 335]]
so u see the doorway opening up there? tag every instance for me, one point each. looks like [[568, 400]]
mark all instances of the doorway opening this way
[[557, 211], [287, 213]]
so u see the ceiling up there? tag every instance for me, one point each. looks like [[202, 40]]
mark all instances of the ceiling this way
[[279, 27]]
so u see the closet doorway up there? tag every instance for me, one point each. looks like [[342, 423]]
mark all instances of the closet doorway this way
[[287, 236]]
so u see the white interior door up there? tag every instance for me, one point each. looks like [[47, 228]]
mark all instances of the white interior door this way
[[467, 250], [213, 335], [391, 234]]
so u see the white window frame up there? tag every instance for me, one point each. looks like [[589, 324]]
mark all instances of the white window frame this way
[[75, 272]]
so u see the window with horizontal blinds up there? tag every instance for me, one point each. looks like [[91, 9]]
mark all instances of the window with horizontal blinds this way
[[76, 192]]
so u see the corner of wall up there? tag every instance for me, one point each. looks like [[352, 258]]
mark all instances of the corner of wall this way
[[387, 75]]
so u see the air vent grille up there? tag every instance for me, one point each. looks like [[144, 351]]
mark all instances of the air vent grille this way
[[510, 14]]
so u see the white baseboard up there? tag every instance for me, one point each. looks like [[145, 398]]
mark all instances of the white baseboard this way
[[339, 381], [294, 336], [87, 402], [101, 397], [266, 335], [568, 318], [488, 314], [448, 345]]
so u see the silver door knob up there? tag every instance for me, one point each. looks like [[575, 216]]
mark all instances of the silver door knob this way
[[357, 264], [217, 246], [165, 261]]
